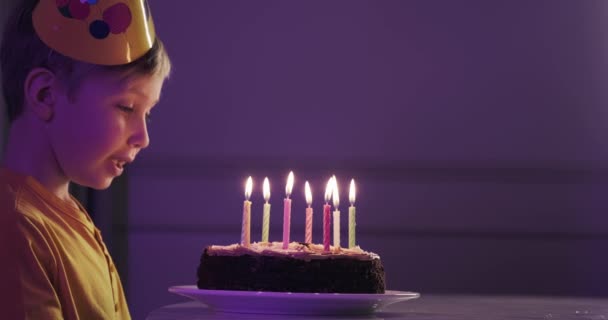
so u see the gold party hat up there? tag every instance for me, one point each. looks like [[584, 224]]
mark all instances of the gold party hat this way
[[106, 32]]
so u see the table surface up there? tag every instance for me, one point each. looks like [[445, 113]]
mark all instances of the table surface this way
[[430, 307]]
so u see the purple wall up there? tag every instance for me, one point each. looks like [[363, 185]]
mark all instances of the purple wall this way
[[475, 130]]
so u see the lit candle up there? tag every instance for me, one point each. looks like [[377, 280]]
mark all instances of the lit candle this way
[[327, 215], [287, 210], [266, 215], [245, 230], [336, 213], [308, 235], [351, 215]]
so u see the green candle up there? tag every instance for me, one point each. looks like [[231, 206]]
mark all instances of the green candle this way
[[246, 226], [266, 215]]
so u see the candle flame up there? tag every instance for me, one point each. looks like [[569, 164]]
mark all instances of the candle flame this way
[[335, 194], [351, 193], [328, 190], [308, 193], [248, 187], [266, 189], [289, 185]]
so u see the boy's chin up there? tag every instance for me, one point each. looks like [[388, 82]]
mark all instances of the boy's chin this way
[[101, 184]]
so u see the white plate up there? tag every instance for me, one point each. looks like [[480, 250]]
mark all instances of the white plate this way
[[293, 303]]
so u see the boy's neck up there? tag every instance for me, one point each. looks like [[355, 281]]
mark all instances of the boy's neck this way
[[28, 151]]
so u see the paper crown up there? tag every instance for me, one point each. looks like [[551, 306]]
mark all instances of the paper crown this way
[[106, 32]]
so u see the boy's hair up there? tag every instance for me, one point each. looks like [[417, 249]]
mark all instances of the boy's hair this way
[[22, 50]]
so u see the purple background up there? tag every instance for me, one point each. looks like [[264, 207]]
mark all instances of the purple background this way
[[476, 131]]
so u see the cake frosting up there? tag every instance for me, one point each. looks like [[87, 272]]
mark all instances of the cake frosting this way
[[298, 250]]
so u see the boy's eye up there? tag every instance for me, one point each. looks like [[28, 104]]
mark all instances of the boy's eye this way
[[125, 108]]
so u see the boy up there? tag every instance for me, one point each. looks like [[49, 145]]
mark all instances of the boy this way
[[11, 302], [80, 78]]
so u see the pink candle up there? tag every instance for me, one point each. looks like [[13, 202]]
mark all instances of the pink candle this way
[[326, 226], [327, 215], [287, 211], [308, 233], [286, 221]]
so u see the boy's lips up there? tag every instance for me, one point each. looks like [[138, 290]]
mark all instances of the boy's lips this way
[[123, 160], [120, 162]]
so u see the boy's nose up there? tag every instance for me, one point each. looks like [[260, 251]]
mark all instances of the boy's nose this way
[[139, 137]]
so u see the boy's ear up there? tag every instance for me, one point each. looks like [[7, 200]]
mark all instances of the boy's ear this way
[[39, 93]]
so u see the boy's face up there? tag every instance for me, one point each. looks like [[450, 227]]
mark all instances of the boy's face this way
[[101, 126]]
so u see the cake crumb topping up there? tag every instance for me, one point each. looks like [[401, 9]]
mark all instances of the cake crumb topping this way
[[298, 250]]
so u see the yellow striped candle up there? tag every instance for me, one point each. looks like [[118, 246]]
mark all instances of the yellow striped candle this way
[[352, 223], [336, 214]]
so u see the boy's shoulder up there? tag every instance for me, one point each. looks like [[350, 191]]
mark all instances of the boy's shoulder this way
[[35, 205], [18, 196], [10, 189]]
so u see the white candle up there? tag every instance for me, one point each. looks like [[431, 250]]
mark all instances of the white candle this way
[[308, 232], [246, 226], [336, 214], [287, 210], [266, 214], [351, 215]]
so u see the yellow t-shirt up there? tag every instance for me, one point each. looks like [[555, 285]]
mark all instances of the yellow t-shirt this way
[[66, 270]]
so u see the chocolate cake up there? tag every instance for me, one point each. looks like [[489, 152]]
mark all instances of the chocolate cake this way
[[302, 267]]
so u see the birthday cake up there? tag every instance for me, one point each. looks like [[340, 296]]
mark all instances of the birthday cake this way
[[302, 267]]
